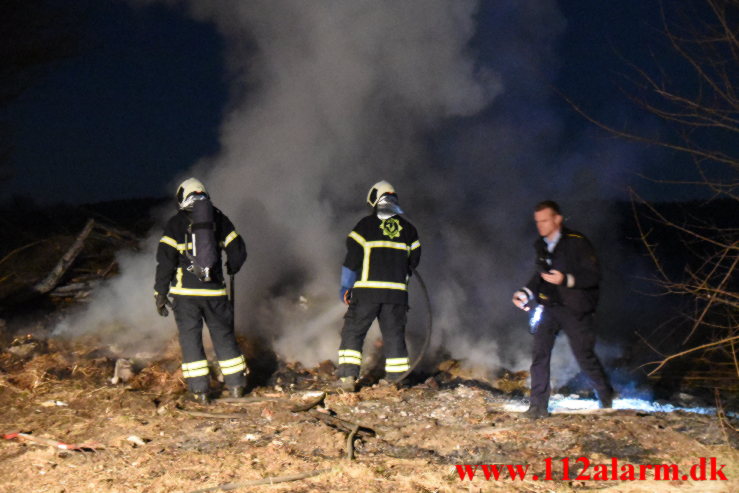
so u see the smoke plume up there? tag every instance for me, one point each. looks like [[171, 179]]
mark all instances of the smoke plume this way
[[329, 97]]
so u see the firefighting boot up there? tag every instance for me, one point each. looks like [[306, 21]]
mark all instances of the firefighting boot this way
[[348, 384], [200, 397], [393, 378], [236, 392], [392, 384]]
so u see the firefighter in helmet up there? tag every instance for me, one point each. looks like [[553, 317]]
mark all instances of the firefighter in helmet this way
[[382, 251], [189, 268]]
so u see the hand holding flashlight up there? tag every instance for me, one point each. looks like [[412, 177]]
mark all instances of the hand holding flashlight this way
[[520, 299]]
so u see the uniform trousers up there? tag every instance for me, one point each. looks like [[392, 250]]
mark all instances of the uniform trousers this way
[[217, 312], [357, 321], [580, 333]]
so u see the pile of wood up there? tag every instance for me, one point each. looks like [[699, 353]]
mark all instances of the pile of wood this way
[[79, 264]]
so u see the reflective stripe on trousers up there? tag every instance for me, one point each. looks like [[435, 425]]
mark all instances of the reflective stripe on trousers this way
[[195, 369], [397, 365]]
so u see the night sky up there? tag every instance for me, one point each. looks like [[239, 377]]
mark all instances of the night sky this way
[[143, 99]]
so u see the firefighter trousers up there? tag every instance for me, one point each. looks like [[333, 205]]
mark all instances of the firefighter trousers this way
[[580, 332], [357, 321], [217, 312]]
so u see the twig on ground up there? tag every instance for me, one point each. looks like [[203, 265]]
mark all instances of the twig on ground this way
[[351, 428], [350, 442], [726, 426], [257, 482], [82, 447], [342, 424], [246, 400], [200, 414]]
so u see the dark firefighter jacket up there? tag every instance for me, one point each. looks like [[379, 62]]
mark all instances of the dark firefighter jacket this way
[[382, 253], [172, 275], [574, 256]]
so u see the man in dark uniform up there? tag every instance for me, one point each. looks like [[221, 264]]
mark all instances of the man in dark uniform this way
[[382, 250], [199, 291], [566, 285]]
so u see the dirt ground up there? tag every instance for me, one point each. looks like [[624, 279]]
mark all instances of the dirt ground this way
[[144, 436]]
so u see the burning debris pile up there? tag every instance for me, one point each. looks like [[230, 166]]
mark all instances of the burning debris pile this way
[[30, 364], [81, 415], [67, 427]]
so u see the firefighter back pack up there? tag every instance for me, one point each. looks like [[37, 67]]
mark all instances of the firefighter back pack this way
[[202, 246]]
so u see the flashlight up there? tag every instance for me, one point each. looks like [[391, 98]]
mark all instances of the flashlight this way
[[535, 319]]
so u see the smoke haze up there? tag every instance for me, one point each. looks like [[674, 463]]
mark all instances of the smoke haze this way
[[329, 97]]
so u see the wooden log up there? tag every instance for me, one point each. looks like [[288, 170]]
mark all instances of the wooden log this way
[[51, 280], [72, 288]]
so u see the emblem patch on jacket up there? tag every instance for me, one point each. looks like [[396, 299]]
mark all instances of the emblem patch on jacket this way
[[391, 227]]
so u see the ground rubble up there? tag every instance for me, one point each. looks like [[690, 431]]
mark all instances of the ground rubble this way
[[143, 435]]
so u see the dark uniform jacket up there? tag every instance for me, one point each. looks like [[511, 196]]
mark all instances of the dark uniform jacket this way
[[383, 254], [574, 256], [172, 275]]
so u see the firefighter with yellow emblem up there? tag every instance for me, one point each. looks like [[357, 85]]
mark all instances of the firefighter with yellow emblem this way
[[189, 268], [382, 251]]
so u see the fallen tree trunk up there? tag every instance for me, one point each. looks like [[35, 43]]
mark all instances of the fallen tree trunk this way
[[51, 280], [72, 289]]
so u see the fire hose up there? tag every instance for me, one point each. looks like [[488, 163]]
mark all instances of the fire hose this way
[[429, 327]]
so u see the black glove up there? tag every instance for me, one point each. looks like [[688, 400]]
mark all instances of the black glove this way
[[162, 302], [230, 270]]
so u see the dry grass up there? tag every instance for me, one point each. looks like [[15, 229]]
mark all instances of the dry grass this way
[[422, 433]]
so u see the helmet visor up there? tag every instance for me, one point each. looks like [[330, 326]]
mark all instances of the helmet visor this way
[[388, 207]]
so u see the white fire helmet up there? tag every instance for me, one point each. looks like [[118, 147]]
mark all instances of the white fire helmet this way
[[383, 198], [378, 190], [189, 191]]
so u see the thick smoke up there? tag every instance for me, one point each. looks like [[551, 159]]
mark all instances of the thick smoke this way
[[329, 97]]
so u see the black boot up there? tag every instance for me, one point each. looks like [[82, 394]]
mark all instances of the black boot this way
[[237, 391], [200, 397], [348, 384], [393, 378]]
